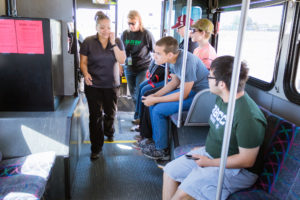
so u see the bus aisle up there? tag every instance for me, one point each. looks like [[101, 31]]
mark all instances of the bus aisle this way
[[121, 172]]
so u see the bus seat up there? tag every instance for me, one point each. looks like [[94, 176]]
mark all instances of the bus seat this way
[[280, 153], [25, 177], [199, 111], [195, 125]]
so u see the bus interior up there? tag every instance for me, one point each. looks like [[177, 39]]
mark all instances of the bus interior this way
[[44, 112]]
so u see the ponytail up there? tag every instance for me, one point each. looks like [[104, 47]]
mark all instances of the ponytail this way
[[100, 16]]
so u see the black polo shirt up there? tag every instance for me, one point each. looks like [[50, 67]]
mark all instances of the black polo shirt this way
[[139, 46], [102, 63]]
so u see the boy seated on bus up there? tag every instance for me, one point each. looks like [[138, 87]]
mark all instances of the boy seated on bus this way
[[180, 28], [201, 33], [199, 178], [165, 102]]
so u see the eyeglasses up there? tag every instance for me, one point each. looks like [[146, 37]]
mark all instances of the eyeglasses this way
[[194, 30], [130, 23], [211, 77]]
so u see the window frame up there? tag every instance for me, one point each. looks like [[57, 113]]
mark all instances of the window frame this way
[[292, 65], [263, 85]]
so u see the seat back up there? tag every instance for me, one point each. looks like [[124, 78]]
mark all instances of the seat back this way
[[200, 109]]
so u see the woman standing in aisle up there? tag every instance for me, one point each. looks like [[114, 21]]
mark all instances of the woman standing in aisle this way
[[139, 43], [99, 58]]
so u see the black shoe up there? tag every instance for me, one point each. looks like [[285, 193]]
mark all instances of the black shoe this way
[[94, 156], [110, 139]]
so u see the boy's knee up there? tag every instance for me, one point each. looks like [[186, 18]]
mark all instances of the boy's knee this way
[[156, 110]]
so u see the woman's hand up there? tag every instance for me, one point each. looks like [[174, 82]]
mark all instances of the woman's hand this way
[[88, 79], [112, 38], [121, 70]]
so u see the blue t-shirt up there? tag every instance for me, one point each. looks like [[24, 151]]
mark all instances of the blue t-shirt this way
[[195, 71]]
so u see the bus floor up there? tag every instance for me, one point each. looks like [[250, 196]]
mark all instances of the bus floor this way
[[121, 172]]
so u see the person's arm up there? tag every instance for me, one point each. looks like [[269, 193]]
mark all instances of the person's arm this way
[[121, 70], [151, 100], [172, 85], [119, 54], [83, 66], [244, 159]]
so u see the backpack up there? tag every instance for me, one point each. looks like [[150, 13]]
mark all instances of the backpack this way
[[155, 73]]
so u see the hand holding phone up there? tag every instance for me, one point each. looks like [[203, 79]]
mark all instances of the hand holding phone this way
[[191, 157]]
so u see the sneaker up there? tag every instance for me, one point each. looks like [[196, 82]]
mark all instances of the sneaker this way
[[136, 121], [94, 156], [158, 154], [135, 128], [145, 142], [136, 146], [138, 138], [148, 148]]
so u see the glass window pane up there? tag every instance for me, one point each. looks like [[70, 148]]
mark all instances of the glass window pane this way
[[86, 24], [260, 41]]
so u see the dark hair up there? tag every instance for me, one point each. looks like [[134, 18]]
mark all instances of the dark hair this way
[[222, 70], [100, 16], [170, 44]]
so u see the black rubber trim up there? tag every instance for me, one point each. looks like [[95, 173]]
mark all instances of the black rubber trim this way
[[292, 62]]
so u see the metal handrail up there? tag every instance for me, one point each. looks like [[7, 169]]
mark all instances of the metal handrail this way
[[232, 95], [183, 69], [168, 33]]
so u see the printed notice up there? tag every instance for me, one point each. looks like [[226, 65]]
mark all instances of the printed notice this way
[[29, 37], [8, 40]]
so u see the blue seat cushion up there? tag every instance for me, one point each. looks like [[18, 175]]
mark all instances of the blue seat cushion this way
[[253, 195], [280, 164], [25, 177]]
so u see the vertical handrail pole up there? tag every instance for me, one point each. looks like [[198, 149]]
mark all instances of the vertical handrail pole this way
[[13, 5], [168, 34], [232, 95], [183, 69], [170, 17]]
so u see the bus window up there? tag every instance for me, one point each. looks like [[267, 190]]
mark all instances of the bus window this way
[[297, 80], [86, 23], [260, 41]]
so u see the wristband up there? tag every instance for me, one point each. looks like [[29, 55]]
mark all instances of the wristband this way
[[112, 46]]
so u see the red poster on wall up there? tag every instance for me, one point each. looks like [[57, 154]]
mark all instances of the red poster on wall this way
[[30, 36], [8, 40]]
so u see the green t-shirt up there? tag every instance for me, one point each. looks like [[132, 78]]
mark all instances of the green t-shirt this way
[[248, 128]]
